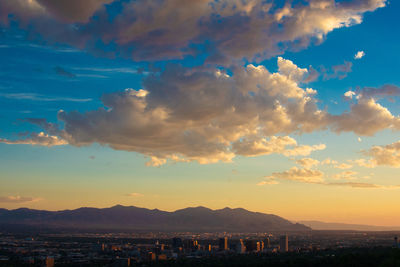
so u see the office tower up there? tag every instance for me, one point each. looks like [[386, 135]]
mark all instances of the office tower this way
[[240, 247], [223, 243], [49, 262], [177, 242], [258, 245], [284, 243], [267, 243], [251, 245]]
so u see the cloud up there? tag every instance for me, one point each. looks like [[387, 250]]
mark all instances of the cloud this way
[[346, 175], [338, 71], [108, 69], [72, 10], [386, 90], [156, 30], [268, 182], [18, 199], [203, 115], [364, 185], [364, 163], [329, 161], [66, 11], [365, 118], [62, 72], [40, 139], [388, 155], [39, 97], [373, 92], [357, 185], [303, 150], [279, 145], [349, 94], [307, 162], [343, 166], [200, 115], [359, 55], [299, 175], [313, 75], [310, 176]]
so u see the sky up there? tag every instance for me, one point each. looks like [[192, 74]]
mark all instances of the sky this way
[[282, 107]]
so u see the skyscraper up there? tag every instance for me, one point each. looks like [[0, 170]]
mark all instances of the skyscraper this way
[[284, 243], [240, 247], [251, 245], [177, 242], [267, 243], [49, 261], [223, 243]]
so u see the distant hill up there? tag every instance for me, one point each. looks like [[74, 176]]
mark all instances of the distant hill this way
[[199, 219], [317, 225]]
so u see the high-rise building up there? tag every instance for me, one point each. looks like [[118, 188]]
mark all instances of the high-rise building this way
[[251, 245], [284, 243], [240, 247], [223, 243], [49, 261], [177, 242], [267, 243]]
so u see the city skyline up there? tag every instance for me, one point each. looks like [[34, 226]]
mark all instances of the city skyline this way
[[280, 107]]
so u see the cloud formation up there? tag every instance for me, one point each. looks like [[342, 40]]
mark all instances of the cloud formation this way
[[307, 162], [388, 155], [343, 166], [358, 185], [346, 175], [310, 176], [359, 55], [17, 199], [40, 139], [338, 71], [162, 29], [39, 97], [387, 90], [300, 175], [366, 117], [275, 144], [205, 115]]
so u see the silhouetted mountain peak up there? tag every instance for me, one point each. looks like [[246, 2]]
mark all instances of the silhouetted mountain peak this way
[[192, 219]]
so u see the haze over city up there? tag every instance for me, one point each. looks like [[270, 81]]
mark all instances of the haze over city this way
[[279, 107]]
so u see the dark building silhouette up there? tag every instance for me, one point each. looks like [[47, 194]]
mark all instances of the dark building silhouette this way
[[177, 242], [251, 245], [49, 261], [223, 243], [267, 243], [284, 243]]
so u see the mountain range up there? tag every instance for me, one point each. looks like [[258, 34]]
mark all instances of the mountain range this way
[[130, 218], [317, 225]]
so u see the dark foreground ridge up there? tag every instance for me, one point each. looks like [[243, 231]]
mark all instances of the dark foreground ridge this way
[[199, 219]]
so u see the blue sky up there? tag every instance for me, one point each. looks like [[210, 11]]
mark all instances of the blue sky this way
[[200, 132]]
